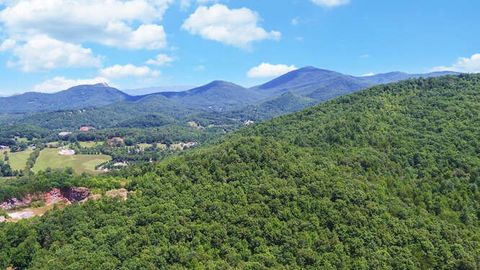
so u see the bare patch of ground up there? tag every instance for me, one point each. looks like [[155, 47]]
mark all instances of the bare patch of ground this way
[[23, 209]]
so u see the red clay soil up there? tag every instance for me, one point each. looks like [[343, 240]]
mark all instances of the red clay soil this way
[[67, 195]]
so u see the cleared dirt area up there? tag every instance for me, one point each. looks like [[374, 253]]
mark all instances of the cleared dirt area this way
[[28, 213]]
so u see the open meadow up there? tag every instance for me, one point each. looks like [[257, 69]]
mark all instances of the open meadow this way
[[18, 160], [49, 158], [90, 144]]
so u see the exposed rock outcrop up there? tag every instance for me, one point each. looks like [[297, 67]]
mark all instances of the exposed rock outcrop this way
[[76, 194], [53, 196]]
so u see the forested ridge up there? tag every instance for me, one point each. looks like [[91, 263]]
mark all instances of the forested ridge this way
[[386, 178]]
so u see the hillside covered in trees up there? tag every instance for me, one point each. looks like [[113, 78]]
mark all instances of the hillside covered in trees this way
[[386, 178]]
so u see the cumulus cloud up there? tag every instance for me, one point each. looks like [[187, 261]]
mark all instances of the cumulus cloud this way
[[160, 60], [330, 3], [235, 27], [61, 83], [266, 70], [48, 34], [146, 36], [464, 64], [44, 53], [119, 23], [129, 70]]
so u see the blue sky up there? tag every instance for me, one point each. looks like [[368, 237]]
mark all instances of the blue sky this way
[[48, 45]]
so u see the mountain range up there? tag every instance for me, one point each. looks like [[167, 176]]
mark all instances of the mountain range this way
[[109, 106]]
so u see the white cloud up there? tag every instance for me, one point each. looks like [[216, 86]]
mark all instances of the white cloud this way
[[266, 70], [236, 27], [119, 71], [464, 64], [61, 83], [7, 44], [330, 3], [120, 23], [44, 53], [149, 36], [160, 60], [368, 74]]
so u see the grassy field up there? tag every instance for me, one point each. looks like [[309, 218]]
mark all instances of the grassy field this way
[[18, 160], [49, 158], [89, 144], [144, 146]]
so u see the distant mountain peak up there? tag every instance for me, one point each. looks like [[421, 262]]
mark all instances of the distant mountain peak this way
[[102, 84], [218, 83], [312, 68], [300, 77], [307, 68], [91, 86]]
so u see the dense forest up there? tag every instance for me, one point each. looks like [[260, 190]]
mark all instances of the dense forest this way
[[386, 178]]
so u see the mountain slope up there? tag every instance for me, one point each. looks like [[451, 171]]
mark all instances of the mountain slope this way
[[386, 178], [133, 112], [83, 96], [307, 80], [285, 103]]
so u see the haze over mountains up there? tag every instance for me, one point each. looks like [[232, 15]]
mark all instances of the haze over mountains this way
[[290, 92], [152, 90]]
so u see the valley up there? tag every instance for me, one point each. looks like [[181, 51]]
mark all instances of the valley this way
[[96, 114], [111, 135]]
